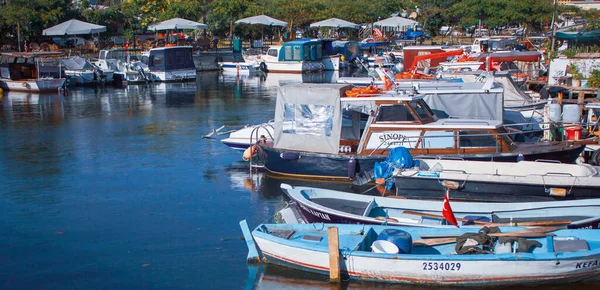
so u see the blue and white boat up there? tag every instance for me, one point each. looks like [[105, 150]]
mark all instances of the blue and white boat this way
[[332, 206], [298, 56], [430, 255]]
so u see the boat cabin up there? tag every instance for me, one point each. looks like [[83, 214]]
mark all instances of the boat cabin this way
[[372, 125], [170, 59], [29, 65], [297, 50]]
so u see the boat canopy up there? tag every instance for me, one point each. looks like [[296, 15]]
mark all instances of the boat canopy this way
[[301, 50], [308, 117], [171, 58], [483, 101]]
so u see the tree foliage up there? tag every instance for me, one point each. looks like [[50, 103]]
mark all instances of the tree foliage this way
[[134, 16]]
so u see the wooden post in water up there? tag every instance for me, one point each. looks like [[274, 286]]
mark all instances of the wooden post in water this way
[[334, 255]]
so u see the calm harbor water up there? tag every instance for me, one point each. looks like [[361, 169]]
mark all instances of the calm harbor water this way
[[115, 188]]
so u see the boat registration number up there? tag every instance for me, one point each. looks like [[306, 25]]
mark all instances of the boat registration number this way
[[441, 266]]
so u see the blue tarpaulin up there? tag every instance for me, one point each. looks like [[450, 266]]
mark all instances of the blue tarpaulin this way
[[398, 157]]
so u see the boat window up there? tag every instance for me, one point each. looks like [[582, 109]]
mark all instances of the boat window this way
[[157, 60], [21, 60], [273, 52], [395, 113], [288, 53], [437, 139], [307, 119], [476, 139], [422, 110], [297, 53], [306, 51]]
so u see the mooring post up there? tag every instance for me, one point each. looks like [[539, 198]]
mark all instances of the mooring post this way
[[334, 255]]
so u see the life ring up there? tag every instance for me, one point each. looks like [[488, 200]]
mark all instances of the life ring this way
[[24, 84], [263, 66], [363, 91], [250, 152]]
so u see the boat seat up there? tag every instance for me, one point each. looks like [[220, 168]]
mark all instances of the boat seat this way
[[569, 245]]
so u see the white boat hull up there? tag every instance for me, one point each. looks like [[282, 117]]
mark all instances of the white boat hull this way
[[293, 67], [30, 85], [240, 67], [83, 77], [331, 63], [173, 76], [441, 271]]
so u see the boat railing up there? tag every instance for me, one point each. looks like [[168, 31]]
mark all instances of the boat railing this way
[[257, 128]]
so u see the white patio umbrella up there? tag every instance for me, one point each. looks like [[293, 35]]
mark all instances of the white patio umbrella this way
[[176, 23], [73, 27], [262, 20], [395, 22], [335, 23]]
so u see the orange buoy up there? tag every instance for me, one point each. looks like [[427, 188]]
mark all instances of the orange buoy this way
[[249, 153]]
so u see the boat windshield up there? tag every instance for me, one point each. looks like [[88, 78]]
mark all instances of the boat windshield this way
[[424, 112], [395, 113]]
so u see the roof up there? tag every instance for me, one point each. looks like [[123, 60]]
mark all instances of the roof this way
[[387, 96], [302, 41]]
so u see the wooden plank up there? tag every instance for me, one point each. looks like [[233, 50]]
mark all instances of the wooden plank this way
[[334, 255], [433, 242]]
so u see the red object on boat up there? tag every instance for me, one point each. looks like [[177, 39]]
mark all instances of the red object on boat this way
[[447, 210], [573, 133]]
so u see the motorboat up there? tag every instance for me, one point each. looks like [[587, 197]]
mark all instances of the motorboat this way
[[501, 181], [83, 72], [31, 72], [170, 64], [124, 63], [298, 56], [324, 134]]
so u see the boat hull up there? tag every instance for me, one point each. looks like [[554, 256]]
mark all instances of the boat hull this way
[[174, 75], [335, 166], [490, 191], [350, 210], [35, 86], [293, 67]]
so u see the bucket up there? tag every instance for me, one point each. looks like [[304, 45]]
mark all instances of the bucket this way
[[400, 238], [573, 133], [384, 247]]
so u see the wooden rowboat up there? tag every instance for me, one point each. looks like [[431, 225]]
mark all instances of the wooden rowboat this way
[[323, 205], [564, 256]]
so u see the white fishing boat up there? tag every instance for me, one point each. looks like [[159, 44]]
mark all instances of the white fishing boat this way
[[31, 72], [501, 180], [296, 56], [170, 64], [430, 256], [83, 72]]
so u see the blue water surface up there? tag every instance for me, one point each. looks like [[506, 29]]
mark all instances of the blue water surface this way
[[115, 188]]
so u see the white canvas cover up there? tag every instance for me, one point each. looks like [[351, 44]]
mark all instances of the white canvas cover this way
[[176, 23], [262, 20], [395, 21], [308, 117], [462, 100], [74, 27], [335, 23]]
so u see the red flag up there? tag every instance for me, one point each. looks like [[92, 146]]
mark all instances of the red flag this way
[[447, 210]]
